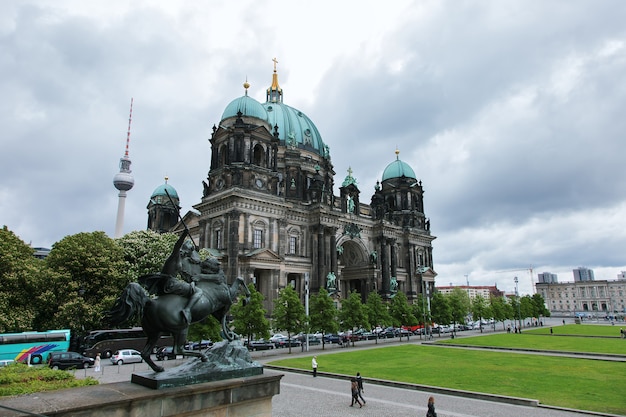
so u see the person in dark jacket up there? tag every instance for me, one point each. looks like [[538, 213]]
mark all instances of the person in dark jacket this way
[[431, 407], [354, 386], [359, 382]]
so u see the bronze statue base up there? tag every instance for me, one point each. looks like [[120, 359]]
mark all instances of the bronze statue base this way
[[227, 360]]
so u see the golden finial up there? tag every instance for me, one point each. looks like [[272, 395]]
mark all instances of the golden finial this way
[[166, 178], [246, 85], [275, 62], [397, 153]]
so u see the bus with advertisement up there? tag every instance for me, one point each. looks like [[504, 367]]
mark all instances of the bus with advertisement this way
[[32, 347], [107, 341]]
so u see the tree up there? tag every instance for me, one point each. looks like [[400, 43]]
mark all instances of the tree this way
[[480, 309], [352, 313], [400, 312], [323, 314], [526, 307], [145, 251], [499, 309], [440, 309], [377, 311], [539, 306], [289, 314], [459, 306], [207, 329], [249, 319], [88, 275], [21, 280]]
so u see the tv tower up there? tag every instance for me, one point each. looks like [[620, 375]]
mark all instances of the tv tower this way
[[123, 180]]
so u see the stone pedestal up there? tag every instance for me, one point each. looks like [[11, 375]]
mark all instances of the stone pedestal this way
[[239, 397]]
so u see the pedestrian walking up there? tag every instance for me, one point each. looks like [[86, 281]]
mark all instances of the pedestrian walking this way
[[314, 365], [354, 387], [359, 382], [431, 407], [96, 363]]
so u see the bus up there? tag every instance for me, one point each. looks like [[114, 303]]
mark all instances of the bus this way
[[32, 347], [106, 342]]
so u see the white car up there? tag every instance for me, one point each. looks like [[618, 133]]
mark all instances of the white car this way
[[120, 357], [277, 337]]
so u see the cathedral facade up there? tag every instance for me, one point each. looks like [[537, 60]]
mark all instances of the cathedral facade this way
[[269, 210]]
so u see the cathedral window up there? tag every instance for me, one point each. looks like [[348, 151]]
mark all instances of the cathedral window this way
[[218, 239], [293, 245], [258, 155], [257, 238]]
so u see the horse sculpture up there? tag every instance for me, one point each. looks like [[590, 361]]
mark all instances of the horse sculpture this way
[[162, 314]]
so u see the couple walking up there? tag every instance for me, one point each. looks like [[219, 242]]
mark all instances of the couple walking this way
[[357, 390]]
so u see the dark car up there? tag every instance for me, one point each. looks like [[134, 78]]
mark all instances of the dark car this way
[[285, 342], [260, 345], [332, 338], [69, 360], [164, 353]]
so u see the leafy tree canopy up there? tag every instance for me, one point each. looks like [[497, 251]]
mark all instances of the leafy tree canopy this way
[[249, 319], [145, 251]]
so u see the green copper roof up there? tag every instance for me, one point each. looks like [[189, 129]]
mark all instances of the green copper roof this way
[[247, 106], [398, 169], [160, 191]]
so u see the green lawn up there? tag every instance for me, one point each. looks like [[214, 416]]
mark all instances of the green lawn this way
[[579, 330], [576, 383], [535, 340]]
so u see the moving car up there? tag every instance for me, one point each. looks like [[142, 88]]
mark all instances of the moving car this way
[[120, 357], [69, 360]]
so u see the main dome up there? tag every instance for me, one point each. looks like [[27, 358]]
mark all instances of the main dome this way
[[160, 193], [294, 127]]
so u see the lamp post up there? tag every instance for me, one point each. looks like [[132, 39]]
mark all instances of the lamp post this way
[[306, 307], [519, 314]]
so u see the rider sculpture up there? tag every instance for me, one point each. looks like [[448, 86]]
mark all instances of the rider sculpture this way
[[186, 260]]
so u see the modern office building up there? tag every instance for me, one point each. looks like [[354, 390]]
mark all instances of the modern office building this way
[[270, 211], [583, 274], [547, 277]]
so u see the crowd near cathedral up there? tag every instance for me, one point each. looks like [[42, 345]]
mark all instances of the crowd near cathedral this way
[[274, 212]]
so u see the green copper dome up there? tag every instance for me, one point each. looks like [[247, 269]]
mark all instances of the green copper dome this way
[[294, 127], [160, 191], [247, 106], [398, 169]]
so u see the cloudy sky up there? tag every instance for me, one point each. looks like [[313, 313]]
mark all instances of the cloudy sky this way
[[512, 113]]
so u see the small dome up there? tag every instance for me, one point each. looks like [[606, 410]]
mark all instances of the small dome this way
[[398, 169], [160, 191], [247, 106]]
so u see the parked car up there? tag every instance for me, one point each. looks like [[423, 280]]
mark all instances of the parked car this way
[[332, 338], [203, 344], [286, 342], [276, 337], [165, 353], [69, 360], [121, 357], [260, 344]]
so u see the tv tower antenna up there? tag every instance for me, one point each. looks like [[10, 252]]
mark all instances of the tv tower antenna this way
[[123, 180]]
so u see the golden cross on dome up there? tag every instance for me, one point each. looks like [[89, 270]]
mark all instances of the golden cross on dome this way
[[275, 62]]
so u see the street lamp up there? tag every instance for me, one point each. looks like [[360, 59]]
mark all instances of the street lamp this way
[[519, 314]]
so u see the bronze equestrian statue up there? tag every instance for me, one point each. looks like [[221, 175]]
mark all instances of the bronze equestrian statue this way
[[178, 303]]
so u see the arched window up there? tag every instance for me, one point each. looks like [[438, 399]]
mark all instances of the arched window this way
[[258, 156]]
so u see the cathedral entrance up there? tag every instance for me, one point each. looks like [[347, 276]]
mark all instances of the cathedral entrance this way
[[356, 271]]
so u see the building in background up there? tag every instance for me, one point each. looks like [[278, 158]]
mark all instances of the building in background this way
[[485, 291], [583, 274], [585, 298], [269, 211], [622, 276], [547, 277]]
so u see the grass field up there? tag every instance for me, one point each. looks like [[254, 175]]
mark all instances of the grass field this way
[[579, 330], [575, 383], [545, 341]]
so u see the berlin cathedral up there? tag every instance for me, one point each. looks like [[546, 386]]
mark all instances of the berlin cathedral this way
[[270, 214]]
